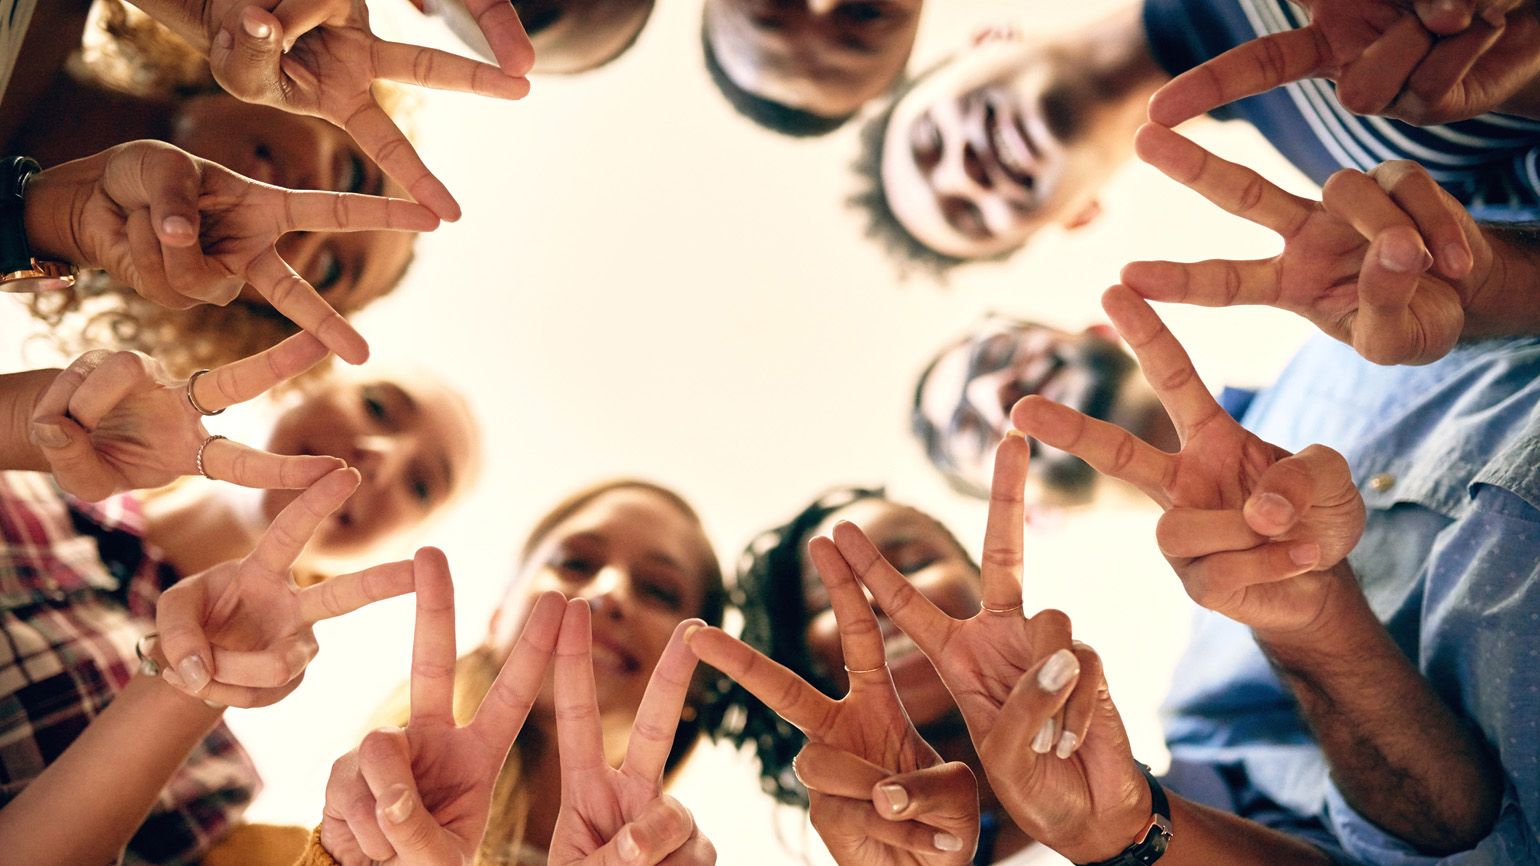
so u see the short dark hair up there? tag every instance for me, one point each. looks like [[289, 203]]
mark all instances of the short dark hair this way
[[769, 114]]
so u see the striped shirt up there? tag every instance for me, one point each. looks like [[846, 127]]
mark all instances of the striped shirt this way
[[1491, 163]]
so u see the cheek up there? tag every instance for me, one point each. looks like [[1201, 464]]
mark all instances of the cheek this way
[[823, 644]]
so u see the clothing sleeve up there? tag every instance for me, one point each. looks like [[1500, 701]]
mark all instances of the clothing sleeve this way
[[315, 853], [199, 805]]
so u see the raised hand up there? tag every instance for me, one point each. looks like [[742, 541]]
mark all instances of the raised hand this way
[[420, 795], [1356, 264], [621, 817], [240, 633], [1251, 529], [1443, 67], [936, 819], [183, 231], [319, 57], [114, 421], [1036, 707]]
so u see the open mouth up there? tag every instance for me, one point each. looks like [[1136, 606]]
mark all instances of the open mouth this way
[[1011, 147]]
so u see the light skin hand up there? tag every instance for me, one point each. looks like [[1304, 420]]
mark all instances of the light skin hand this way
[[610, 816], [183, 231], [868, 732], [1387, 262], [240, 633], [114, 421], [320, 58], [420, 795], [1449, 65]]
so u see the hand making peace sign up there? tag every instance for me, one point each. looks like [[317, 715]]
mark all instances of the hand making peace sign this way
[[862, 745]]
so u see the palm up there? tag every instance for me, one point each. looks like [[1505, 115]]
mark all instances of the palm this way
[[601, 805], [983, 658]]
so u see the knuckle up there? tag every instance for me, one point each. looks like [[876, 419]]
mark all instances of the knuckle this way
[[1054, 621]]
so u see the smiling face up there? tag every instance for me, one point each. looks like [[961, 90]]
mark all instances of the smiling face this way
[[349, 269], [927, 554], [824, 57], [412, 440]]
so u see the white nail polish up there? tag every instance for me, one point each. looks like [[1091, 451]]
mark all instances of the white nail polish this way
[[1043, 742], [1067, 744], [1056, 673], [947, 842]]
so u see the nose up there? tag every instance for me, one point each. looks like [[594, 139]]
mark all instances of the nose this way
[[372, 456], [607, 593]]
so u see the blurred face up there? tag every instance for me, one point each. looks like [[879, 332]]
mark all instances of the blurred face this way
[[349, 269], [641, 563], [411, 439], [999, 141], [922, 550], [827, 57], [967, 397], [568, 35]]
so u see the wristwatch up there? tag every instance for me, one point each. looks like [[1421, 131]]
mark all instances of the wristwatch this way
[[1151, 843], [19, 271]]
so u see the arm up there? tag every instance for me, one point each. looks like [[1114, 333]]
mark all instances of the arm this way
[[1509, 302], [88, 803]]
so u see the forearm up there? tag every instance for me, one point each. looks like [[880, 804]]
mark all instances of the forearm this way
[[18, 393], [87, 804], [1201, 836], [1508, 303], [1399, 755]]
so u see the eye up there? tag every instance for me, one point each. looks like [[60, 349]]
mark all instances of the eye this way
[[374, 406], [351, 174], [911, 558], [661, 593], [418, 486], [329, 271]]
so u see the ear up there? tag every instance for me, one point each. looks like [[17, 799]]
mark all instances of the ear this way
[[1087, 214]]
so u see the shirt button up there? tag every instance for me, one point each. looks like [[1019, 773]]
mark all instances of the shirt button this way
[[1382, 482]]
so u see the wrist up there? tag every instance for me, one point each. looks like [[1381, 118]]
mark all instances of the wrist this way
[[1123, 828], [49, 214], [1507, 300], [1342, 614]]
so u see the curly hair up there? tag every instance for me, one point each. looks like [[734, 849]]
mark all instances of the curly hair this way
[[770, 595]]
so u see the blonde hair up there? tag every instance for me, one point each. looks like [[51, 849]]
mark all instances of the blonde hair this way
[[476, 670]]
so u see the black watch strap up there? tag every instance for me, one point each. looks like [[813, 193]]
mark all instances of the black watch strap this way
[[15, 252], [1157, 836]]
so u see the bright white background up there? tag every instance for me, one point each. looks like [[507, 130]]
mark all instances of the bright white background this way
[[646, 284]]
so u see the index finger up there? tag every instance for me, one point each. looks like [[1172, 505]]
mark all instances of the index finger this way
[[300, 303], [503, 710], [1232, 187], [1247, 69], [920, 619], [787, 694], [1000, 567], [252, 377], [310, 210], [1164, 362], [291, 530], [579, 737], [505, 34], [860, 636], [433, 639], [657, 718], [346, 593], [1108, 448], [388, 146]]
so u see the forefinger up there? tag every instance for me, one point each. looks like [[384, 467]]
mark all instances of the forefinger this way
[[860, 636], [1000, 569], [1108, 448], [301, 304], [1164, 362], [388, 146], [433, 639], [346, 593], [505, 34], [920, 619], [787, 694], [228, 460], [1247, 69], [503, 710], [1232, 187], [441, 70], [291, 530], [657, 718], [579, 737], [252, 377]]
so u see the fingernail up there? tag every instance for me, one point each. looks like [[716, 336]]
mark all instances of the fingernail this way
[[401, 807], [194, 672], [256, 28], [1305, 554], [1400, 253], [49, 436], [947, 842], [224, 39], [1067, 744], [1274, 509], [1455, 258], [177, 226], [1056, 673], [170, 676], [214, 705], [690, 632], [897, 797], [625, 843], [1014, 432], [1043, 742]]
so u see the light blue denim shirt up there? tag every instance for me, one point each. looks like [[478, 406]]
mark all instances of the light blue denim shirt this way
[[1447, 457]]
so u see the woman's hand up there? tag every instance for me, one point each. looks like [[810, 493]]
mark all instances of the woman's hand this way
[[184, 231], [621, 817], [239, 634], [419, 795], [1037, 709], [1252, 530], [868, 732], [114, 421], [320, 58]]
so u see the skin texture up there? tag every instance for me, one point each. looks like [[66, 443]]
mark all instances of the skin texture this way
[[826, 57]]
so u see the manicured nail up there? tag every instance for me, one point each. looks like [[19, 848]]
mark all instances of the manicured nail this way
[[169, 675], [1056, 673], [690, 632], [1455, 257], [399, 808], [177, 226], [897, 797], [625, 843], [1043, 742], [49, 436], [1067, 744], [256, 28], [1305, 553], [947, 842], [1014, 432], [215, 705], [1274, 509], [1400, 253], [194, 672]]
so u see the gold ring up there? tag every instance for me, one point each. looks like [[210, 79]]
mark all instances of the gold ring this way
[[199, 458], [193, 401], [1012, 609], [850, 670]]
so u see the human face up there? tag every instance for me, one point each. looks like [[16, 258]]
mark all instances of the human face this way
[[999, 141], [641, 563], [967, 397], [349, 269], [827, 57], [569, 35], [411, 439], [923, 552]]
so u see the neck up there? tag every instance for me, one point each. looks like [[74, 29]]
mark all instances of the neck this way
[[99, 118], [196, 528]]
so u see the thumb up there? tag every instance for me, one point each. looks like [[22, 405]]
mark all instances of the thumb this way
[[72, 458], [1292, 486], [658, 830], [408, 825], [245, 55], [945, 796], [162, 177]]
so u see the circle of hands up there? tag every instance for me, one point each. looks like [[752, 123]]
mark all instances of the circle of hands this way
[[421, 794]]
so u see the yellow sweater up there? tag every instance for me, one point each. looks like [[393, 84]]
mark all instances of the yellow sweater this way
[[269, 845]]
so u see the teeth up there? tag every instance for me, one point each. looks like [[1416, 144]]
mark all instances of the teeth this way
[[605, 655], [1012, 150], [897, 646]]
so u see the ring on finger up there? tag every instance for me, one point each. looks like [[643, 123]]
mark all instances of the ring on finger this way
[[199, 458], [193, 401]]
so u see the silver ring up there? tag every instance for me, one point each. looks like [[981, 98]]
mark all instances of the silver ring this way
[[1012, 609], [147, 664], [193, 401], [199, 459]]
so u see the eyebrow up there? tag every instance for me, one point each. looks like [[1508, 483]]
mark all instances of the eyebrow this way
[[662, 558]]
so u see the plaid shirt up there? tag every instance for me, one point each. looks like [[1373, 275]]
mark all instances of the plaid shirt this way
[[78, 585]]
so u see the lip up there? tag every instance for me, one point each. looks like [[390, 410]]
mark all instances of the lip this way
[[613, 655]]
